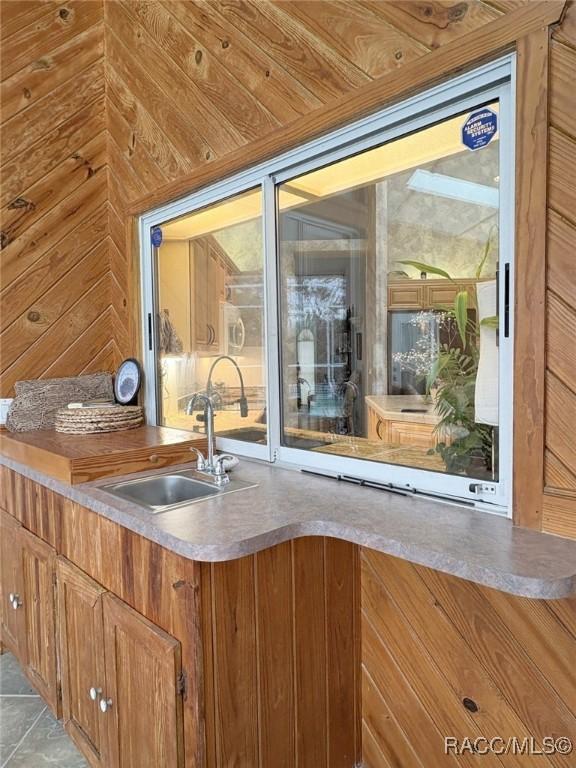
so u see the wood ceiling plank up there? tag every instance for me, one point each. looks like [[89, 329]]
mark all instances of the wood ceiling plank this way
[[215, 91], [434, 23], [562, 83], [25, 170], [178, 126], [117, 160], [59, 336], [55, 264], [124, 136], [275, 88], [41, 76], [50, 31], [562, 175], [52, 228], [306, 57], [53, 304], [561, 421], [50, 190], [20, 133], [561, 266], [488, 40], [15, 15], [356, 33], [560, 344], [116, 229], [171, 163], [558, 476], [81, 353]]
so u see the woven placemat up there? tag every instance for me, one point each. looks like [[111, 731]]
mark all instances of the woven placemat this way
[[92, 420]]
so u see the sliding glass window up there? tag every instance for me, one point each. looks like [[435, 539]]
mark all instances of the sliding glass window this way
[[346, 306]]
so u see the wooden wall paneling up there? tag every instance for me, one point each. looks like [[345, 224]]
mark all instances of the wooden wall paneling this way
[[529, 271], [561, 270], [41, 76], [560, 346], [566, 31], [469, 49], [562, 167], [14, 16], [359, 33], [224, 111], [562, 69], [309, 651], [557, 474], [436, 24], [53, 29], [506, 664], [560, 420], [255, 68], [275, 631]]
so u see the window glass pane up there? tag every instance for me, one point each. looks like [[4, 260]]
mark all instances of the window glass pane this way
[[387, 265], [211, 319]]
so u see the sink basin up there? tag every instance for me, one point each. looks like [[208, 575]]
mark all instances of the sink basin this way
[[162, 492]]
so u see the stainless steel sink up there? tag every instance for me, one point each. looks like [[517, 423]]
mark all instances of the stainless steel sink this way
[[162, 492]]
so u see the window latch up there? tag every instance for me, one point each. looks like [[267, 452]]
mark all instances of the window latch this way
[[482, 489]]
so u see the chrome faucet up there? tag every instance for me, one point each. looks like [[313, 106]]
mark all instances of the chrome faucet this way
[[213, 466]]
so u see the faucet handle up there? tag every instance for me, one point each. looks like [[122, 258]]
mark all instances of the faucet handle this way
[[219, 471], [201, 461]]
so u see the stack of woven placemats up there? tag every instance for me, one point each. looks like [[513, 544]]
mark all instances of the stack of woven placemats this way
[[86, 421]]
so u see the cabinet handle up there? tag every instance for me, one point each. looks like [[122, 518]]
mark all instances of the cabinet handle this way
[[154, 458], [15, 601], [105, 705], [94, 693], [378, 428]]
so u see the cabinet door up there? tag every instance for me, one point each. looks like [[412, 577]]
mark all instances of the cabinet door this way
[[12, 586], [81, 659], [144, 712], [38, 569], [377, 427]]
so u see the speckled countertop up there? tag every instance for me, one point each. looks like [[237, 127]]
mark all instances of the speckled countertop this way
[[483, 548]]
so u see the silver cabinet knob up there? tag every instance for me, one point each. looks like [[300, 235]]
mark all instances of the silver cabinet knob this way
[[15, 601], [94, 693], [11, 597], [105, 704]]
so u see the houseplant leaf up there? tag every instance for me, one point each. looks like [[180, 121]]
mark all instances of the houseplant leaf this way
[[422, 267], [461, 314], [490, 322]]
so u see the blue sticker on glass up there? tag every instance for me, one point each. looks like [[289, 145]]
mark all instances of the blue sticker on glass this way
[[479, 129], [156, 237]]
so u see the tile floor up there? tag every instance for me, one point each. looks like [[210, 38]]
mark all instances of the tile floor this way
[[30, 737]]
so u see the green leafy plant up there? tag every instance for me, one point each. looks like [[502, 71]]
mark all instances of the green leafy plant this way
[[463, 443]]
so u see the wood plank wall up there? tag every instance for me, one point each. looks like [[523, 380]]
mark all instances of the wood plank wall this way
[[559, 508], [444, 657], [57, 314]]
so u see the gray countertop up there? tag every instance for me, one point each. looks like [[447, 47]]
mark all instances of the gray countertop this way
[[286, 504]]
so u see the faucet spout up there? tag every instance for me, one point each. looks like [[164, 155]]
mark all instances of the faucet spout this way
[[243, 401]]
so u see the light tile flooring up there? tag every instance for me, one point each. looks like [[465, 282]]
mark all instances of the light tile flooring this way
[[30, 736]]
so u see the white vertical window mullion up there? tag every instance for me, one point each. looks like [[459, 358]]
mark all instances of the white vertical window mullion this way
[[271, 315]]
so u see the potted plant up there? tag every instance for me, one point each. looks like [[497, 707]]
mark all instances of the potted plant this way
[[465, 446]]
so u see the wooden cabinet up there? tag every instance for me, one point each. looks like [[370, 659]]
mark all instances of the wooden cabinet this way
[[81, 642], [209, 291], [39, 607], [121, 691], [28, 605], [400, 432], [143, 686], [428, 294], [12, 587]]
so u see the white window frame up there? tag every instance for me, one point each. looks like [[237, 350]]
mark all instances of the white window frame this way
[[492, 81]]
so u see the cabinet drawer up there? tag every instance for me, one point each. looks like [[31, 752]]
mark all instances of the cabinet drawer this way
[[405, 296], [410, 433]]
